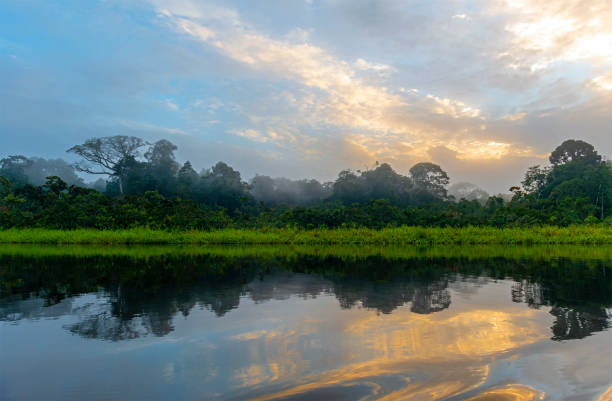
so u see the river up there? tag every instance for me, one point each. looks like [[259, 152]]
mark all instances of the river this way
[[280, 323]]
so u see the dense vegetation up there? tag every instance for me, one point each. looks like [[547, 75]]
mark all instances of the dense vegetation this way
[[154, 191], [340, 236], [346, 252]]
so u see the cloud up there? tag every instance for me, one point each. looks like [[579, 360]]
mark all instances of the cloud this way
[[603, 82], [251, 134], [372, 117], [171, 105], [557, 30], [514, 117], [453, 108], [366, 65], [483, 87]]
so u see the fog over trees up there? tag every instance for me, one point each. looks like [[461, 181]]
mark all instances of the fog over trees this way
[[130, 171], [577, 185], [468, 191]]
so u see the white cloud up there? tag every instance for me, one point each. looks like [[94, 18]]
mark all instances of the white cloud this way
[[171, 105], [365, 65], [250, 134], [356, 103], [453, 108], [342, 97], [603, 82], [557, 30]]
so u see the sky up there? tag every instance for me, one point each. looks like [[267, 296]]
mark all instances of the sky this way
[[306, 88]]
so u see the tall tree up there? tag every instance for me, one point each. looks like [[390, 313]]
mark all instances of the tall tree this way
[[348, 187], [535, 179], [264, 189], [384, 183], [106, 153], [163, 166], [574, 150], [431, 178], [14, 167], [576, 186], [222, 186], [131, 177], [161, 153], [187, 179]]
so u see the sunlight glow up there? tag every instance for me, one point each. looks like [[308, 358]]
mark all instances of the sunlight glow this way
[[482, 150], [544, 33], [399, 344], [603, 82]]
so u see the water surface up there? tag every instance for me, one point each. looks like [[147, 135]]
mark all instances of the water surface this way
[[305, 324]]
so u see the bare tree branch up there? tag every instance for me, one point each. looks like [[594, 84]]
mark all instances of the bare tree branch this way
[[106, 153]]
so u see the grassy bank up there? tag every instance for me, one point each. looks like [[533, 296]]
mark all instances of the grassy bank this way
[[283, 252], [579, 235]]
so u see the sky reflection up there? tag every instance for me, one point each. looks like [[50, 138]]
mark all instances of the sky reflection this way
[[271, 333]]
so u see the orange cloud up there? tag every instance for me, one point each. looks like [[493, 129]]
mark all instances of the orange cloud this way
[[391, 124]]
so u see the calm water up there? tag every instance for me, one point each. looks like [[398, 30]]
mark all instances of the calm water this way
[[284, 325]]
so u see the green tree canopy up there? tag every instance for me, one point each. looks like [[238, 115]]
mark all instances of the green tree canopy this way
[[102, 155], [572, 150]]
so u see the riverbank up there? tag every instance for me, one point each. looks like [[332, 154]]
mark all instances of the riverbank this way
[[549, 235], [284, 252]]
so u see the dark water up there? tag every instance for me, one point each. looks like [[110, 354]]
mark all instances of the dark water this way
[[304, 325]]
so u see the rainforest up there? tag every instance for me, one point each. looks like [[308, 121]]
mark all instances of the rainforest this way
[[156, 193]]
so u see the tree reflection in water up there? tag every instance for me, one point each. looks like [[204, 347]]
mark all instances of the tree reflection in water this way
[[143, 295]]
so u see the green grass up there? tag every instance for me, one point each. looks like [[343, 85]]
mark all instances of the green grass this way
[[578, 235], [344, 252]]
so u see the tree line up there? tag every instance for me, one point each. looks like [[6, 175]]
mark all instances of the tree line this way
[[144, 185]]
